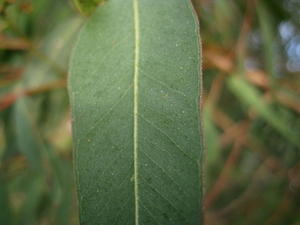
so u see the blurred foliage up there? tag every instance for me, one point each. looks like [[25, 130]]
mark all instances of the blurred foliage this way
[[251, 67], [36, 178], [87, 7], [251, 53]]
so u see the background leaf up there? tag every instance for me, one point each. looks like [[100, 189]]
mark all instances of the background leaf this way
[[30, 144], [251, 97]]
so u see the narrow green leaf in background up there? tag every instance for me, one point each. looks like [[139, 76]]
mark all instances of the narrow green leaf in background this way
[[135, 91], [268, 35], [250, 96], [212, 135], [29, 144], [6, 212]]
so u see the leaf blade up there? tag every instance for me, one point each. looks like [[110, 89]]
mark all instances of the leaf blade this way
[[136, 126]]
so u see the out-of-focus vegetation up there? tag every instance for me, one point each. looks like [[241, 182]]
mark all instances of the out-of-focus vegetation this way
[[251, 53], [252, 106], [36, 178]]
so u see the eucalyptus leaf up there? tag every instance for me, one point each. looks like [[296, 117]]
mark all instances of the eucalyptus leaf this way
[[250, 96], [30, 144], [6, 212], [28, 212], [268, 40], [212, 136], [135, 88]]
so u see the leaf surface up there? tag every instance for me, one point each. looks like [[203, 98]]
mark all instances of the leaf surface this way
[[135, 92]]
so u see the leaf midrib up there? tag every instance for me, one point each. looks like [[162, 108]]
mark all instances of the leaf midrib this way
[[135, 104]]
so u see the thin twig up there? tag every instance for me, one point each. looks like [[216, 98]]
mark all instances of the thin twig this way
[[11, 98]]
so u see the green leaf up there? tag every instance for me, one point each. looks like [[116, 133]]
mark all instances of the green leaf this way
[[212, 136], [63, 183], [28, 212], [87, 7], [6, 212], [268, 39], [250, 96], [135, 89], [28, 139]]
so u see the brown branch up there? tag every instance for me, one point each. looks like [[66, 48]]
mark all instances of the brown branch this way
[[223, 178], [11, 98], [215, 89], [11, 43]]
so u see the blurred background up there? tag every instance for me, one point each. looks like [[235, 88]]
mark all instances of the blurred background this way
[[251, 68]]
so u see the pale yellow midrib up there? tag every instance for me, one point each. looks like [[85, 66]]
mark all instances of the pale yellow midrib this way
[[135, 105]]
